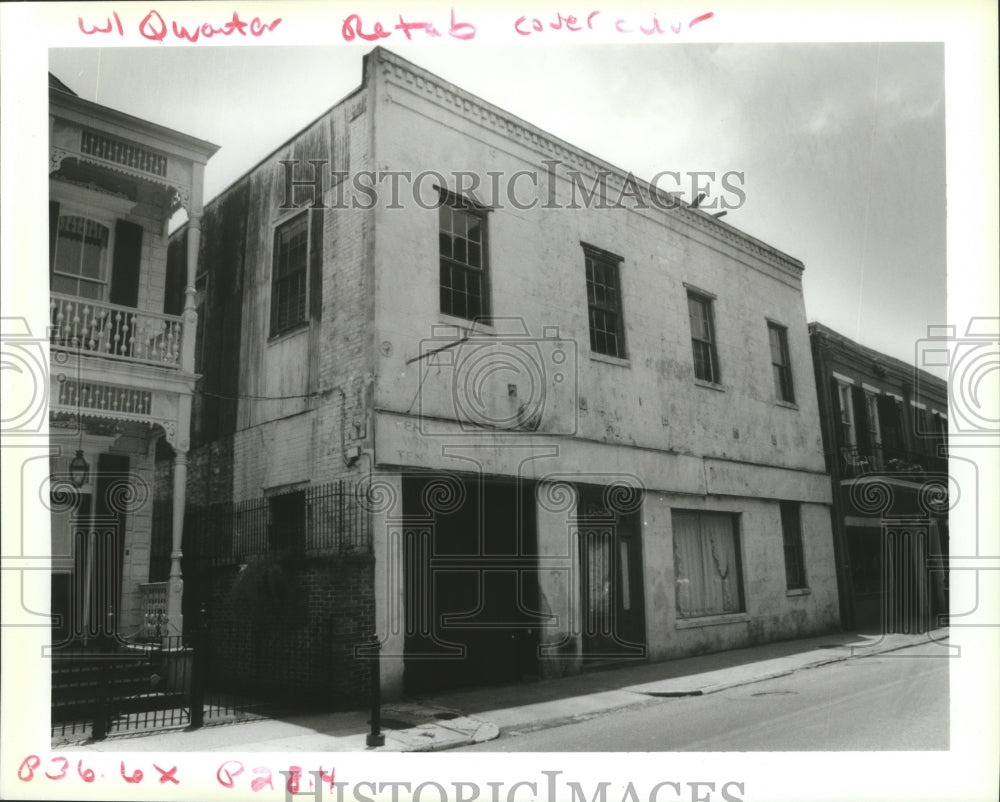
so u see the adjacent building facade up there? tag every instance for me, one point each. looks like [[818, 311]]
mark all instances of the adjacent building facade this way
[[510, 439], [121, 365], [885, 427]]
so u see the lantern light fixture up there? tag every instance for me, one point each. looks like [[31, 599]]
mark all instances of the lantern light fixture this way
[[79, 470]]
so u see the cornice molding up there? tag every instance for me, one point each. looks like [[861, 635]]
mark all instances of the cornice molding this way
[[405, 75], [836, 346], [175, 143]]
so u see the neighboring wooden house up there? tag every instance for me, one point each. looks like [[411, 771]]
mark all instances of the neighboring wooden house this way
[[121, 365]]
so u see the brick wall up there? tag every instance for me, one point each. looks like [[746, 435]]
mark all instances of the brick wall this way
[[291, 406], [210, 473], [284, 410], [290, 634]]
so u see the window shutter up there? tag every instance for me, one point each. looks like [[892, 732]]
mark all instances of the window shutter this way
[[275, 259], [921, 428], [316, 264], [838, 435], [892, 429], [861, 427], [173, 294], [125, 268], [53, 229]]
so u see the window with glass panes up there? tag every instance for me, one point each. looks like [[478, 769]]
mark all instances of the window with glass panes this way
[[791, 535], [463, 272], [80, 261], [848, 437], [781, 367], [706, 356], [607, 335], [290, 274]]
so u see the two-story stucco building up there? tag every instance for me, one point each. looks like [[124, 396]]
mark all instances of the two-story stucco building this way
[[585, 431]]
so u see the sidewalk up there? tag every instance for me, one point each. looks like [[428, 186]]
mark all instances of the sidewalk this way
[[458, 718]]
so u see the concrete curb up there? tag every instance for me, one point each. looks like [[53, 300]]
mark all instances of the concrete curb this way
[[434, 729], [443, 738], [649, 691]]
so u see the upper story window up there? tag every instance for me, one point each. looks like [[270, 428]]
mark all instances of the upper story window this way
[[921, 427], [706, 355], [93, 252], [464, 276], [848, 435], [781, 365], [80, 257], [940, 423], [892, 427], [871, 412], [289, 275], [607, 326], [874, 426]]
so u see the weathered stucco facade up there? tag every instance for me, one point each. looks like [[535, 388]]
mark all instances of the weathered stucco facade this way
[[538, 499]]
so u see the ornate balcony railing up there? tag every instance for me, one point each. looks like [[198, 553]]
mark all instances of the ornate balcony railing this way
[[118, 332], [883, 459]]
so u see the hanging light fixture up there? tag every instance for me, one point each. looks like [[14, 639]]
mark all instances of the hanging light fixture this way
[[79, 469]]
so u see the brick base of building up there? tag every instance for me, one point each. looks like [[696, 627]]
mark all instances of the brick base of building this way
[[286, 628]]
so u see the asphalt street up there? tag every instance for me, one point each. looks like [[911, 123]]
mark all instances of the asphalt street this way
[[894, 701]]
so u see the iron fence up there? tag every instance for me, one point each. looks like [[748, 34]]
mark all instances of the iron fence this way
[[130, 687], [320, 519]]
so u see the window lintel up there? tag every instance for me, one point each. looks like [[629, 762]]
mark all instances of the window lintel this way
[[601, 253]]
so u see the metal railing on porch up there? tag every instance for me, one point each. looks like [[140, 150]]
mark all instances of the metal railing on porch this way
[[133, 688], [153, 610], [110, 689], [855, 462]]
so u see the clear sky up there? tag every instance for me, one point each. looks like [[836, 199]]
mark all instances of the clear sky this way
[[842, 145]]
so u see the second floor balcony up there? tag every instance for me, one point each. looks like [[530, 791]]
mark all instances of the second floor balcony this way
[[883, 459], [97, 328]]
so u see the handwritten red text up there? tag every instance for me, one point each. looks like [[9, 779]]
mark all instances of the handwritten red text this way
[[599, 21], [156, 29], [354, 28]]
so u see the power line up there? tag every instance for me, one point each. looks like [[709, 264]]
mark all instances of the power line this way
[[226, 397]]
